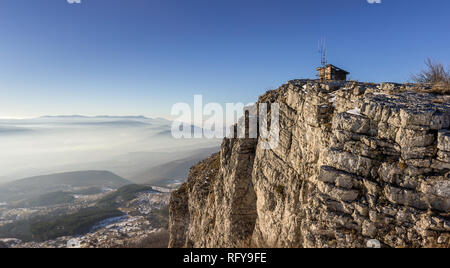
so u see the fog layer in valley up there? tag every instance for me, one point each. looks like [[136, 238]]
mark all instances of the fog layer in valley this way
[[131, 147]]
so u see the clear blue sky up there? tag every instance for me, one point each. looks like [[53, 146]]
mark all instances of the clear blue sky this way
[[141, 56]]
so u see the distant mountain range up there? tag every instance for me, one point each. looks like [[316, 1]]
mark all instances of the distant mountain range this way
[[114, 123], [34, 187], [99, 116], [83, 118], [130, 146]]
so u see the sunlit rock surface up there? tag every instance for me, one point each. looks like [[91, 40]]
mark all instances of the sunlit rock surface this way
[[355, 162]]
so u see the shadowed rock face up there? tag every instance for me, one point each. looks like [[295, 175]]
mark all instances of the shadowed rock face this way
[[355, 162]]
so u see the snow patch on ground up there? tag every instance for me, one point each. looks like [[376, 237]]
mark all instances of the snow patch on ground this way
[[355, 111], [333, 100], [107, 222], [304, 88]]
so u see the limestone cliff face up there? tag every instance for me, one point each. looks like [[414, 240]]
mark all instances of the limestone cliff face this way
[[356, 161]]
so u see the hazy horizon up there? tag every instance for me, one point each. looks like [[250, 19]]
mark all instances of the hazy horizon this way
[[69, 143], [169, 118]]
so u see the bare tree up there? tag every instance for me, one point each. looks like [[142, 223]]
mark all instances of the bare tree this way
[[434, 75]]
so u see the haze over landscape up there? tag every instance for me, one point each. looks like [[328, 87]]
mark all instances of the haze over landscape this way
[[128, 146], [73, 175]]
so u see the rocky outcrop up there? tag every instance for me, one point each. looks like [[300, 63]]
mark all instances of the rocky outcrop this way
[[355, 162]]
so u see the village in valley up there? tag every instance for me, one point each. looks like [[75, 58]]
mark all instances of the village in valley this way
[[144, 215]]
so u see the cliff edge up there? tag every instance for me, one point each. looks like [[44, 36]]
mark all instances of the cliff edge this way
[[355, 162]]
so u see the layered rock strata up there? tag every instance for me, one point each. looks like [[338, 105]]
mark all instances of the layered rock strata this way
[[355, 162]]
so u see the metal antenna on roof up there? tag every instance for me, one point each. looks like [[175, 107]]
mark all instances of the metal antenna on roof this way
[[322, 52]]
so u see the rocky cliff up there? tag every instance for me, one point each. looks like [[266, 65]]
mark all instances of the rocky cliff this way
[[355, 162]]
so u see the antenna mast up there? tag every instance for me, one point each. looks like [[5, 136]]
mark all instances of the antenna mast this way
[[322, 52]]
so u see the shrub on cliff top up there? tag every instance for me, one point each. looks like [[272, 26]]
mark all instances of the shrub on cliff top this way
[[436, 76]]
